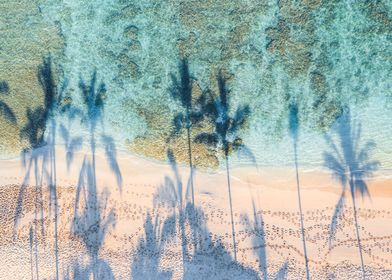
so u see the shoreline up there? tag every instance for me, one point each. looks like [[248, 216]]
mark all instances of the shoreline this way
[[125, 154]]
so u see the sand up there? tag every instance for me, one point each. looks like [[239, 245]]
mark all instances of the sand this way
[[270, 192]]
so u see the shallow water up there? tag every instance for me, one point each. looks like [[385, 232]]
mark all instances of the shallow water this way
[[328, 55]]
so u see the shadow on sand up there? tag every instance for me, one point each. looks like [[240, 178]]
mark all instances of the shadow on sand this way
[[39, 159], [225, 135], [294, 133], [202, 256], [92, 218], [350, 164], [255, 226]]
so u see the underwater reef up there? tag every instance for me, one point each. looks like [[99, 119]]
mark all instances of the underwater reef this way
[[327, 54]]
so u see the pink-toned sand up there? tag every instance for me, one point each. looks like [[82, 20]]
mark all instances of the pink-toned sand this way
[[272, 190]]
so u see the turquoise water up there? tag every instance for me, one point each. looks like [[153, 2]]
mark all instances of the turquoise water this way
[[328, 55]]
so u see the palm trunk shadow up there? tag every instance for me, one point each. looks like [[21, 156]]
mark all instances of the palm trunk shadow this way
[[231, 208], [300, 212], [294, 132], [259, 244], [224, 136], [350, 164], [31, 236], [190, 164], [358, 235], [92, 224]]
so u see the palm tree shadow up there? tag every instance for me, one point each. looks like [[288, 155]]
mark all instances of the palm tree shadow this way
[[94, 96], [192, 111], [92, 220], [209, 254], [39, 156], [91, 223], [294, 133], [260, 245], [210, 259], [5, 110], [176, 196], [225, 135], [52, 103], [150, 248], [351, 165]]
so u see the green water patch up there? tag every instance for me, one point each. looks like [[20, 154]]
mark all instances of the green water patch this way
[[27, 37]]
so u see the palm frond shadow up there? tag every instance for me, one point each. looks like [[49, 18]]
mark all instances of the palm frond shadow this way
[[72, 144], [226, 126], [225, 135], [39, 157], [210, 255], [351, 166], [191, 113], [150, 248], [176, 196], [92, 220], [197, 247], [192, 106], [93, 96], [256, 227], [91, 223], [79, 271], [5, 110], [111, 157]]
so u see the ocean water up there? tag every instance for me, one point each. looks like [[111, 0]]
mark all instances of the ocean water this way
[[328, 55]]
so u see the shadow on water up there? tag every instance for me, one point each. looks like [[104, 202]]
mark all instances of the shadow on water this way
[[191, 113], [294, 133], [259, 244], [6, 111], [92, 221], [225, 135], [39, 157], [52, 100], [39, 160], [351, 165]]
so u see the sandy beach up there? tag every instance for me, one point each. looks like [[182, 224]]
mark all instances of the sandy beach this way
[[272, 244]]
